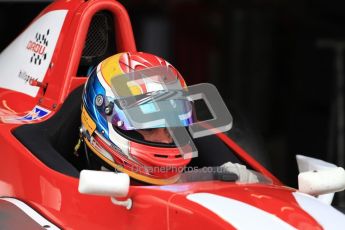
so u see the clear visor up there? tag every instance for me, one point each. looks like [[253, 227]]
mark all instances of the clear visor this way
[[150, 98]]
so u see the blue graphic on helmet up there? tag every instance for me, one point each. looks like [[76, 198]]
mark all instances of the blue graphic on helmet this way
[[92, 89]]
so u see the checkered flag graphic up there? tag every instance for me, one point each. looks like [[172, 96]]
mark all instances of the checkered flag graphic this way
[[41, 39]]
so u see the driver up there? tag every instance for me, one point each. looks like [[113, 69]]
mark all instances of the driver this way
[[144, 150]]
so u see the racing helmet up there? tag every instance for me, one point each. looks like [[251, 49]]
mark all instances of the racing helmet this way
[[121, 91]]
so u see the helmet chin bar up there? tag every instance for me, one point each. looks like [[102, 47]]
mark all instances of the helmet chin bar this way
[[105, 150]]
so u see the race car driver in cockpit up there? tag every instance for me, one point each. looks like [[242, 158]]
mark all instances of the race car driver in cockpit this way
[[136, 108]]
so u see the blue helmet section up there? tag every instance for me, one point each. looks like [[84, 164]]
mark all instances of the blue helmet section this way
[[92, 89]]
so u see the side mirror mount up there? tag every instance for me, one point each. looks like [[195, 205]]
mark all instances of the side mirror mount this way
[[103, 183], [319, 178]]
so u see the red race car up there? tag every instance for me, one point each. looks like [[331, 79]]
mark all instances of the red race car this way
[[42, 184]]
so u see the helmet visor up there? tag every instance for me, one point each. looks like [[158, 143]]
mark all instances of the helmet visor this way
[[150, 98]]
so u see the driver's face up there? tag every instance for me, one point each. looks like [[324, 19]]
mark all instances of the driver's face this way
[[160, 135]]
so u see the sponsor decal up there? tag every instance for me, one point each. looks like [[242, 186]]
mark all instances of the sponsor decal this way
[[87, 121], [26, 77], [38, 47], [31, 53], [37, 113]]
